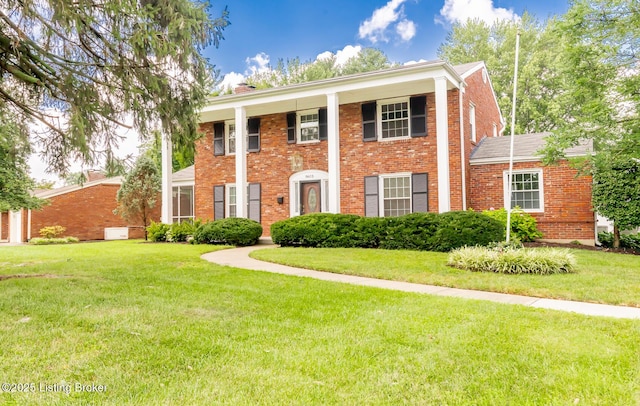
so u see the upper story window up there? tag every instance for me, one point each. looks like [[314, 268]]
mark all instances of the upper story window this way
[[309, 126], [230, 137], [472, 122], [526, 190], [394, 119], [224, 136]]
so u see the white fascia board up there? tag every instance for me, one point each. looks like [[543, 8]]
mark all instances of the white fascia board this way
[[188, 182], [336, 85]]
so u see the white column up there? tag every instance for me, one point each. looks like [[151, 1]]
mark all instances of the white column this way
[[333, 142], [166, 214], [241, 162], [463, 158], [442, 137]]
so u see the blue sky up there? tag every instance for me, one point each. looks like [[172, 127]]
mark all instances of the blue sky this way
[[262, 32]]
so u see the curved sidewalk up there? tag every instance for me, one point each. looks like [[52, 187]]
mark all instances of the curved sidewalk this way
[[239, 258]]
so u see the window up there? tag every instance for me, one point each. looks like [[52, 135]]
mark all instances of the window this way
[[231, 201], [472, 122], [182, 197], [230, 135], [526, 190], [309, 126], [396, 195], [394, 119]]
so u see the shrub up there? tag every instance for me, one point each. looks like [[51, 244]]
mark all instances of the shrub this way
[[49, 241], [315, 230], [630, 241], [460, 228], [523, 225], [52, 231], [542, 261], [157, 232], [179, 232], [232, 231], [414, 231]]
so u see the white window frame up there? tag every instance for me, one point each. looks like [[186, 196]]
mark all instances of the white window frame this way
[[472, 122], [311, 175], [540, 187], [227, 137], [227, 200], [381, 197], [299, 125], [379, 104], [180, 218]]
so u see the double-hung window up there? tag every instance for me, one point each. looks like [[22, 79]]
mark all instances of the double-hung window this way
[[394, 119], [396, 195], [231, 201], [309, 126], [182, 203], [230, 135], [526, 190]]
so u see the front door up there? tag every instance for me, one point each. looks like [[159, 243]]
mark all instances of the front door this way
[[310, 197]]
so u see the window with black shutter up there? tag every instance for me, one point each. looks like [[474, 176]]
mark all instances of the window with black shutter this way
[[369, 121], [253, 135], [291, 128], [218, 202], [322, 117], [418, 116], [218, 138]]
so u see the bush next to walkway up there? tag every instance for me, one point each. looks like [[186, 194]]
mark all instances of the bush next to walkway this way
[[417, 231], [232, 231]]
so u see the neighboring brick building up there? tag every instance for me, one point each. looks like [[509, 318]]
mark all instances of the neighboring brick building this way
[[84, 210], [376, 144]]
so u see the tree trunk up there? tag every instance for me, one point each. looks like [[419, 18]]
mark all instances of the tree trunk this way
[[616, 236]]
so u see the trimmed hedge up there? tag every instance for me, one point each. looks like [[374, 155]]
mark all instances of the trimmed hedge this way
[[55, 240], [417, 231], [231, 231]]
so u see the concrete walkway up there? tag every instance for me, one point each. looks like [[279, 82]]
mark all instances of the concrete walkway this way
[[239, 258]]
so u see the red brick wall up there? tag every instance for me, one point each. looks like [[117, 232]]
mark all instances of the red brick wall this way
[[487, 113], [84, 213], [4, 230], [567, 199]]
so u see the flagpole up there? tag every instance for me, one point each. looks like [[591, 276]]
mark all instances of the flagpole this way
[[513, 126]]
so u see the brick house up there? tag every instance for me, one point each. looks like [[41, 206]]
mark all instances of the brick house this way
[[555, 195], [381, 143], [86, 211]]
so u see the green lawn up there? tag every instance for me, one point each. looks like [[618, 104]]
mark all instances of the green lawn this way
[[158, 325], [600, 277]]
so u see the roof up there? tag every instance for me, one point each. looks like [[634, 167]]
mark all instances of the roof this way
[[184, 175], [466, 68], [45, 194], [525, 148]]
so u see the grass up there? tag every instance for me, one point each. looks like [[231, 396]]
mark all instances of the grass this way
[[599, 277], [157, 325]]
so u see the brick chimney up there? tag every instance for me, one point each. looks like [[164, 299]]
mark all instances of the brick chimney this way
[[243, 88]]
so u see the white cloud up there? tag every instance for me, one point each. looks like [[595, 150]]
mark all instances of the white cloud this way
[[374, 28], [414, 62], [346, 53], [406, 29], [258, 64], [324, 55], [462, 10], [231, 80]]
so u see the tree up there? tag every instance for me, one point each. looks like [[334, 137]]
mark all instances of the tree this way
[[326, 67], [15, 183], [539, 88], [138, 194], [601, 74], [82, 68]]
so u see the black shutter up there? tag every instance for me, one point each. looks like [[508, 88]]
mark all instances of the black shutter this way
[[418, 107], [218, 202], [369, 121], [291, 128], [218, 139], [253, 125], [371, 201], [254, 202], [322, 121], [419, 193]]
